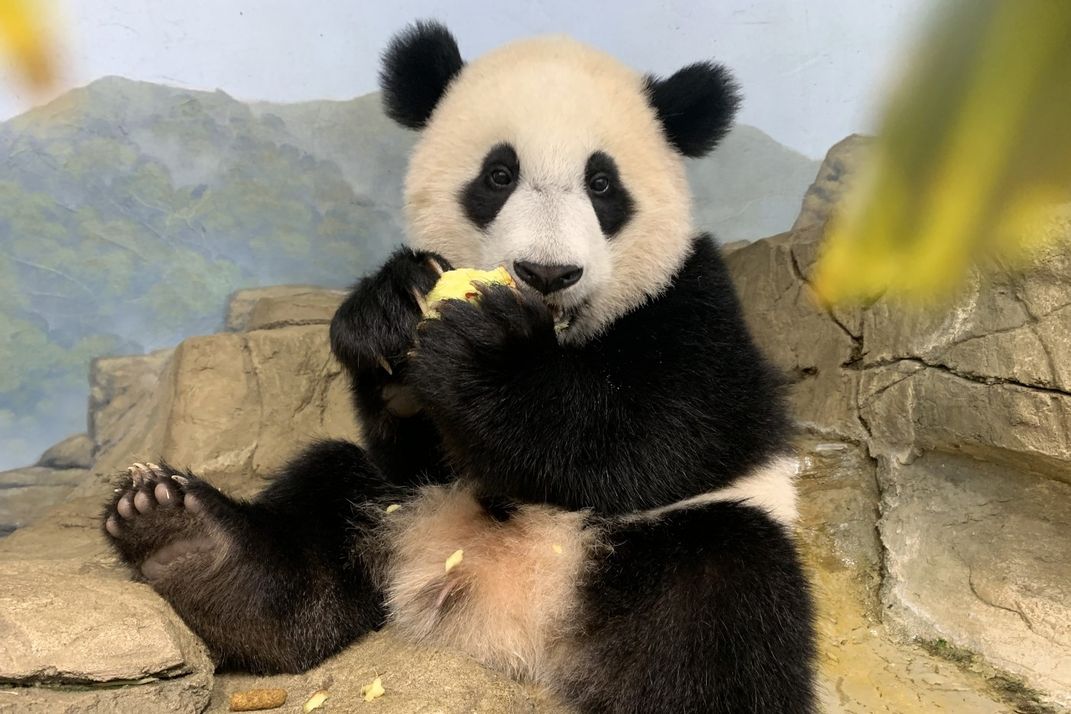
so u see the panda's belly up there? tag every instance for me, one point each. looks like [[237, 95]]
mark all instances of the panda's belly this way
[[510, 601]]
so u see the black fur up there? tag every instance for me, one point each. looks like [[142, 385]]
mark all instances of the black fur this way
[[696, 106], [704, 610], [672, 401], [614, 206], [482, 198], [378, 320], [293, 587], [418, 66]]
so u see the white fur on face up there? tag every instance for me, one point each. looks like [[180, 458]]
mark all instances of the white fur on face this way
[[554, 225], [556, 102]]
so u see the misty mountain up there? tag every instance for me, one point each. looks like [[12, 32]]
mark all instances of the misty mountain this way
[[130, 210]]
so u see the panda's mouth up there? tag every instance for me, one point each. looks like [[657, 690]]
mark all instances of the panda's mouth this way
[[564, 316]]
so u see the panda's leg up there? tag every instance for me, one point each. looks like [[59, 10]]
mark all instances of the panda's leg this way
[[272, 585], [699, 609]]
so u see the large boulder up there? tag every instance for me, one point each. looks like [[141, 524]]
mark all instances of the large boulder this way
[[82, 635]]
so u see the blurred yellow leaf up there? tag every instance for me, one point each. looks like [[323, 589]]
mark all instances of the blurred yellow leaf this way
[[26, 38], [973, 153]]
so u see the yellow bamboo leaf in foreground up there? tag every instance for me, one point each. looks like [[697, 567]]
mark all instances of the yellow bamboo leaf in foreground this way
[[26, 40], [973, 156]]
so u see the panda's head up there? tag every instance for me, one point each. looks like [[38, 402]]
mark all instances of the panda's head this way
[[555, 161]]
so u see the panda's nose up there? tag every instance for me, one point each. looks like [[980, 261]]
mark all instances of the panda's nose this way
[[547, 279]]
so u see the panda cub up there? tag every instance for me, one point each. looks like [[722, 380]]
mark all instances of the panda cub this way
[[601, 453]]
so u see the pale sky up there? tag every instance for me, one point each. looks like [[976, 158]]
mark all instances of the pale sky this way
[[812, 70]]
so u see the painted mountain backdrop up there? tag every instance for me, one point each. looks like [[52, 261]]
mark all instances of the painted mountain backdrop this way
[[129, 211]]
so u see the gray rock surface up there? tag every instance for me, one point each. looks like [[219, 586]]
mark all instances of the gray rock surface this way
[[862, 668], [977, 555]]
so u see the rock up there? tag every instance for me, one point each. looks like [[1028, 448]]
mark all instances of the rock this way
[[416, 679], [806, 342], [842, 161], [74, 452], [863, 668], [25, 494], [977, 555], [965, 407], [733, 246], [912, 407], [282, 305], [119, 389], [238, 404], [75, 631]]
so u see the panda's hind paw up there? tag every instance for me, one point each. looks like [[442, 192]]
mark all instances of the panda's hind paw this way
[[158, 515]]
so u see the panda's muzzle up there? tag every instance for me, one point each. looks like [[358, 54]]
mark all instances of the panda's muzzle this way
[[547, 278]]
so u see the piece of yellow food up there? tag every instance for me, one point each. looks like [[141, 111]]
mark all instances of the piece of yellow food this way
[[373, 691], [455, 559], [316, 700], [257, 699], [392, 508], [461, 284]]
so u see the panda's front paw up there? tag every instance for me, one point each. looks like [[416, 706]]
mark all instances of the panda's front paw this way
[[460, 353], [374, 327]]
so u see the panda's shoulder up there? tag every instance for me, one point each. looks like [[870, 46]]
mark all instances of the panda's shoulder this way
[[700, 299]]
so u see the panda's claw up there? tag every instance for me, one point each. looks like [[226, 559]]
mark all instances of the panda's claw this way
[[421, 302], [434, 265], [385, 364]]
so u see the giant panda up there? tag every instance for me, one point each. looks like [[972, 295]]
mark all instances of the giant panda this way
[[602, 452]]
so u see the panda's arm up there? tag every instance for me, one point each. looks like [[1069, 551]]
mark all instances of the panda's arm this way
[[370, 335], [662, 410]]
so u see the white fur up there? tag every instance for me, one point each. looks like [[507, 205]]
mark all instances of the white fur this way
[[771, 487], [556, 102], [511, 602]]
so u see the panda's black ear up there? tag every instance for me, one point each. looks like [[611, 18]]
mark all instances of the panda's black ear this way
[[696, 106], [417, 67]]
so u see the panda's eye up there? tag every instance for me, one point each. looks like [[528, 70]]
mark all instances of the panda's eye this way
[[499, 177], [599, 184]]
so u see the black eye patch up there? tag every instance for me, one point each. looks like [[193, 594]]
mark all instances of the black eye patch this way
[[483, 197], [609, 197]]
